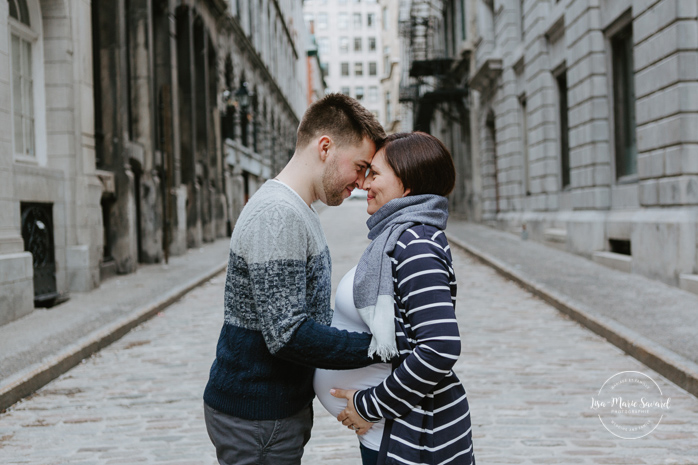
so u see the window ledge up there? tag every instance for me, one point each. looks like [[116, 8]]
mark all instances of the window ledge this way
[[26, 159], [614, 260], [628, 179]]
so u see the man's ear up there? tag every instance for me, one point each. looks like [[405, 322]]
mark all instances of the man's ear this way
[[407, 192], [324, 144]]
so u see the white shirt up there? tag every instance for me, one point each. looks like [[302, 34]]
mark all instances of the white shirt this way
[[346, 317]]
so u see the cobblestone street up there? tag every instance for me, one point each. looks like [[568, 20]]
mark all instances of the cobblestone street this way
[[530, 373]]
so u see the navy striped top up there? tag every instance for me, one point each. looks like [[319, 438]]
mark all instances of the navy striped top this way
[[424, 404]]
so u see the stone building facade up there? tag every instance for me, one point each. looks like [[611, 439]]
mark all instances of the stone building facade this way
[[587, 120], [50, 194], [580, 129], [134, 130]]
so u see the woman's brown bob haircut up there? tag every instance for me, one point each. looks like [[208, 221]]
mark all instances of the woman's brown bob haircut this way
[[421, 162], [342, 118]]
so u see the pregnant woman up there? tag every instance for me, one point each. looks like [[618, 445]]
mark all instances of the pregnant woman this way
[[404, 290], [346, 317]]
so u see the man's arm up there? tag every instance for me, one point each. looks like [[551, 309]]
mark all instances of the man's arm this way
[[326, 347], [278, 278]]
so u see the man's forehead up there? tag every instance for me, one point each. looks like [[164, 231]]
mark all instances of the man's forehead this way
[[370, 152], [361, 153]]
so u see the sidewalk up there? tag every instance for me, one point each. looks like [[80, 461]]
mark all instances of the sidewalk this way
[[46, 343], [653, 322]]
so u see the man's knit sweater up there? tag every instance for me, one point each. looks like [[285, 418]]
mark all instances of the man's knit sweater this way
[[277, 308]]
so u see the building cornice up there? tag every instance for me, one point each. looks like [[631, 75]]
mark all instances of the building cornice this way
[[285, 26], [246, 45], [486, 74]]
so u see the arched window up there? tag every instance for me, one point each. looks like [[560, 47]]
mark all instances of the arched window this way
[[26, 77]]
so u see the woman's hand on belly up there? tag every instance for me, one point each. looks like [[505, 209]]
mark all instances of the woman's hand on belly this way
[[349, 417]]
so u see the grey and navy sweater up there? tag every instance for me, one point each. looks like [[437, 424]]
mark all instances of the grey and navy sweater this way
[[277, 312]]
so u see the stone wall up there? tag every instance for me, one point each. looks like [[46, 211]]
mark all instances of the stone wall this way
[[656, 206]]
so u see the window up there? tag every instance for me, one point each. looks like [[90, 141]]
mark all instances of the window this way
[[385, 18], [372, 68], [524, 144], [358, 69], [372, 93], [23, 96], [322, 20], [343, 20], [345, 69], [345, 91], [357, 20], [450, 29], [344, 45], [323, 45], [371, 44], [564, 128], [357, 44], [485, 19], [24, 59], [359, 93], [370, 20], [388, 107], [463, 28], [386, 59], [624, 102], [325, 67]]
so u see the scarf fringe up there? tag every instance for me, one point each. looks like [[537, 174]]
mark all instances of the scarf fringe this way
[[384, 351], [380, 319]]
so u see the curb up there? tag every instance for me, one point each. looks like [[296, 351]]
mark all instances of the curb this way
[[28, 381], [674, 367]]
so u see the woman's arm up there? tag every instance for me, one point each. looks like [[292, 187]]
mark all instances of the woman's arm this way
[[423, 277]]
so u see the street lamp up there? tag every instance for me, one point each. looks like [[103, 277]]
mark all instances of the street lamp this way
[[242, 96]]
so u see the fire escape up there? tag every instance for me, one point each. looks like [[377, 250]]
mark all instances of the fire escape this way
[[430, 77]]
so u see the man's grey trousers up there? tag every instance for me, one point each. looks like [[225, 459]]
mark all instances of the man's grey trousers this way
[[252, 442]]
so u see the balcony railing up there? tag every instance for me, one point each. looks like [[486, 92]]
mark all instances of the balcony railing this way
[[432, 67]]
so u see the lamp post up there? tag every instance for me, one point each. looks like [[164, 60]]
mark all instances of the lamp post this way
[[228, 100]]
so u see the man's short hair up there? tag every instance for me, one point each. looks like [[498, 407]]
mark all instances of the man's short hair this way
[[342, 118]]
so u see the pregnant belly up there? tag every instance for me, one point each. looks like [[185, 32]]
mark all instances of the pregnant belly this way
[[361, 378]]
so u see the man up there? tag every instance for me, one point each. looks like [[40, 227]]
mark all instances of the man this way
[[277, 294]]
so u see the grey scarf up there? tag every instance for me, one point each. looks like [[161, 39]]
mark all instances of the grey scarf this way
[[373, 281]]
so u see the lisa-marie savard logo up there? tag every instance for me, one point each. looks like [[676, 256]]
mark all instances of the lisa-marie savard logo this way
[[630, 405]]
